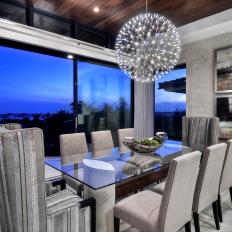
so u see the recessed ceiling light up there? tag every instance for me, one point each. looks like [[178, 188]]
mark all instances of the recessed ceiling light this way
[[70, 56], [96, 9]]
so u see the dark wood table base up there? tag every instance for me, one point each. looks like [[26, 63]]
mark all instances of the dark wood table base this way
[[138, 182]]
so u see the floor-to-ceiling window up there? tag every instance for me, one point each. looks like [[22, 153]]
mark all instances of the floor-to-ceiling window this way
[[37, 91], [170, 102], [104, 98]]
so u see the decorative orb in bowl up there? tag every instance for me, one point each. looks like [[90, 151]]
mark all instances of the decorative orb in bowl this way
[[146, 145]]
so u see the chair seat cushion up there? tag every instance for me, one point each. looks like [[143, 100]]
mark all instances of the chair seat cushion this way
[[159, 188], [140, 210], [3, 130], [51, 173]]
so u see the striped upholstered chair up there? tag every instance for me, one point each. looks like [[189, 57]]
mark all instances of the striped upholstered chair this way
[[51, 174], [200, 132], [24, 205], [11, 126]]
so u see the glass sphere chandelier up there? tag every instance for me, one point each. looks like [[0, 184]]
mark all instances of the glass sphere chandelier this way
[[147, 47]]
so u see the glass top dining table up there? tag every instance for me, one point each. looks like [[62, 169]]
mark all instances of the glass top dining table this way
[[107, 167]]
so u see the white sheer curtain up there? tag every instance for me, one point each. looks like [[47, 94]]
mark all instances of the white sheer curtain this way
[[144, 110]]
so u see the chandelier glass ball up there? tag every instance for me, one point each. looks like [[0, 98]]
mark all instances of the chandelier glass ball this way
[[147, 47]]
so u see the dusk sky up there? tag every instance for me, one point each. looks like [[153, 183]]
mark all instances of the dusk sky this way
[[168, 101], [102, 84], [33, 83], [37, 83]]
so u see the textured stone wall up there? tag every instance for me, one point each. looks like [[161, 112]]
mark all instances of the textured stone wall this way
[[200, 59]]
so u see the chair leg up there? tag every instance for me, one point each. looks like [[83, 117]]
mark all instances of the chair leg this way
[[188, 227], [91, 202], [231, 193], [116, 224], [196, 222], [219, 209], [215, 214]]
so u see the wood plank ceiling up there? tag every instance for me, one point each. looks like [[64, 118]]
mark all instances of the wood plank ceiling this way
[[114, 13]]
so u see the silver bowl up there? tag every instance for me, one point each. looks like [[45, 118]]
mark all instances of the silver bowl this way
[[134, 145]]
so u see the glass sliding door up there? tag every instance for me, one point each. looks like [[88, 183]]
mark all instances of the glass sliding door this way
[[37, 91], [170, 102], [104, 98]]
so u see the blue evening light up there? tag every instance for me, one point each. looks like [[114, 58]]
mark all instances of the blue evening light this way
[[98, 84], [170, 101], [38, 83], [34, 83]]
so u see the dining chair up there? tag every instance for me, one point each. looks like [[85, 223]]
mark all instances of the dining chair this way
[[73, 149], [150, 212], [122, 133], [24, 205], [11, 126], [206, 192], [51, 175], [226, 177], [102, 142], [200, 132], [102, 145]]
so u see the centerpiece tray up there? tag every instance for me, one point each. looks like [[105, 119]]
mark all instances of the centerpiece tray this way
[[146, 145]]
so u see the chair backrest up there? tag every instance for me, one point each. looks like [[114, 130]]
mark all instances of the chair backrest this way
[[102, 142], [73, 147], [122, 133], [176, 205], [200, 132], [207, 186], [226, 177], [22, 186], [11, 126]]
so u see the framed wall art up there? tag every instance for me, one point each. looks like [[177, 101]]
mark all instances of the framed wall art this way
[[224, 113], [223, 73]]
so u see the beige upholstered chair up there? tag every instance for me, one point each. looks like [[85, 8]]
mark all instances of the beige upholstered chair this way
[[102, 143], [24, 205], [122, 133], [206, 192], [159, 188], [226, 177], [200, 132], [73, 149], [150, 212]]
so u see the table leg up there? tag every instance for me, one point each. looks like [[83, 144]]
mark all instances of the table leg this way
[[105, 201]]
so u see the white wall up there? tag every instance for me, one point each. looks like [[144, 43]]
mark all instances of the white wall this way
[[34, 36]]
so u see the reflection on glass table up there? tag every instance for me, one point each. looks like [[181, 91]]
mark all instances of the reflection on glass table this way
[[98, 171]]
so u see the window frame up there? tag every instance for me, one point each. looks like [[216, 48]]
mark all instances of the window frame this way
[[76, 58], [74, 26]]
